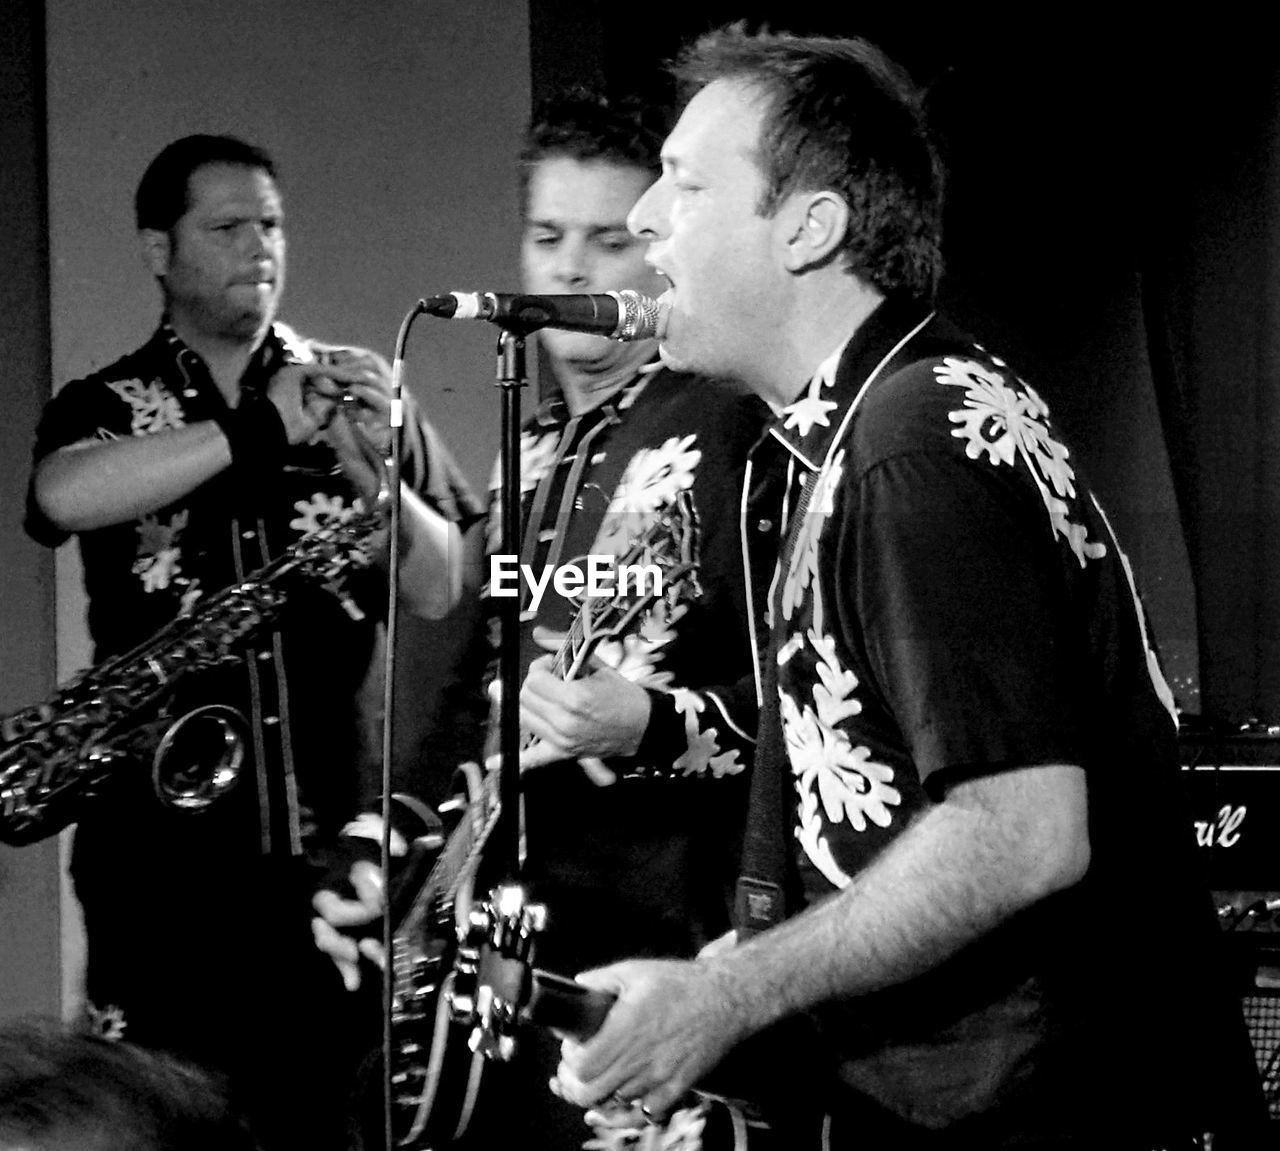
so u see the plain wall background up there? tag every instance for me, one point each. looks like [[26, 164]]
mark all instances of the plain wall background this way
[[29, 927]]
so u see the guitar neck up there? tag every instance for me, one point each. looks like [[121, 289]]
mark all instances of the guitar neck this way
[[456, 858], [574, 649]]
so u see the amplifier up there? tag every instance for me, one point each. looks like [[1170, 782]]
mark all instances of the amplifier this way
[[1232, 786]]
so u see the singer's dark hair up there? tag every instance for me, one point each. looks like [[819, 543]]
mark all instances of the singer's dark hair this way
[[69, 1091], [839, 115], [164, 192], [585, 124]]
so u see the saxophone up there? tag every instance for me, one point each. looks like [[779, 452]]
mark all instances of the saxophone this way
[[56, 755]]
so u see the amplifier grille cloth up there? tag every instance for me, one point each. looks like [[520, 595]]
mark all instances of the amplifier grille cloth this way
[[1262, 1014]]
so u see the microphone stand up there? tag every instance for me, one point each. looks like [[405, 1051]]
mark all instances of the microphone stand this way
[[511, 378], [503, 956]]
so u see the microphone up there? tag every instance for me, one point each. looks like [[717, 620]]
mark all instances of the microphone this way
[[625, 315]]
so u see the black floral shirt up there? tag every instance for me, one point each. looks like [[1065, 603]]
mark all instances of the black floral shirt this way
[[950, 602], [298, 692], [645, 866]]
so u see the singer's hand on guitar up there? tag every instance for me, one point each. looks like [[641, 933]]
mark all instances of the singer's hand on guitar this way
[[338, 919], [585, 718], [672, 1023]]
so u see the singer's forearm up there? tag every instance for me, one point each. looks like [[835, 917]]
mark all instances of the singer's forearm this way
[[99, 483], [994, 847]]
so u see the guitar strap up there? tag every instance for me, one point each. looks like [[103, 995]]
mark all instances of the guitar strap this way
[[768, 883], [769, 887]]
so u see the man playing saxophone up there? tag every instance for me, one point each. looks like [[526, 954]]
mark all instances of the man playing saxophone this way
[[181, 468]]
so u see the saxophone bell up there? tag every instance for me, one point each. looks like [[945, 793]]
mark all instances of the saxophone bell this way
[[198, 760]]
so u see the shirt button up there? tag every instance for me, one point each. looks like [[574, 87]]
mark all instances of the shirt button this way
[[248, 535], [270, 720], [764, 525], [264, 655], [190, 393]]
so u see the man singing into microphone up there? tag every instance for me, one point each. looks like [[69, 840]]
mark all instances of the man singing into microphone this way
[[969, 866], [633, 793], [181, 468]]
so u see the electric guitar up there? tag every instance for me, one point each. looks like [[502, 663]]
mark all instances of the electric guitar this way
[[772, 1076], [443, 967]]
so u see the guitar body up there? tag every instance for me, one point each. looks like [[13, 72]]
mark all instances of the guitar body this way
[[436, 1081]]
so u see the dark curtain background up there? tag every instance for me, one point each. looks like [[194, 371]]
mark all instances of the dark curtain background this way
[[1211, 298], [1112, 231]]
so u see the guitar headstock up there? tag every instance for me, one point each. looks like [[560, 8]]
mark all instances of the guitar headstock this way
[[660, 563]]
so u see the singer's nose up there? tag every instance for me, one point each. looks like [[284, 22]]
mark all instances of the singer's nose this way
[[646, 214]]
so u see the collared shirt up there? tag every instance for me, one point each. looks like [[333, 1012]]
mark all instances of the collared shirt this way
[[296, 692], [950, 603], [647, 863]]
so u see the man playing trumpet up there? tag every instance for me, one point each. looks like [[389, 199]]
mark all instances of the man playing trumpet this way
[[181, 468]]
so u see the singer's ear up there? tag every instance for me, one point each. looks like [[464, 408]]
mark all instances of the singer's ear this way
[[814, 228], [155, 250]]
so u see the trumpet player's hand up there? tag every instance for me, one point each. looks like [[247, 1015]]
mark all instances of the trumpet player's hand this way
[[345, 400], [305, 398], [365, 389], [339, 921]]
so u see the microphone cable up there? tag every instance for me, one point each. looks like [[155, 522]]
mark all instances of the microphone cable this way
[[396, 419]]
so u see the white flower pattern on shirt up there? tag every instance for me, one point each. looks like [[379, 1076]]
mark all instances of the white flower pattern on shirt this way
[[654, 477], [159, 557], [321, 511], [620, 1128], [802, 570], [636, 655], [650, 484], [1003, 423], [154, 407], [810, 410], [704, 752], [833, 778], [106, 1023]]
